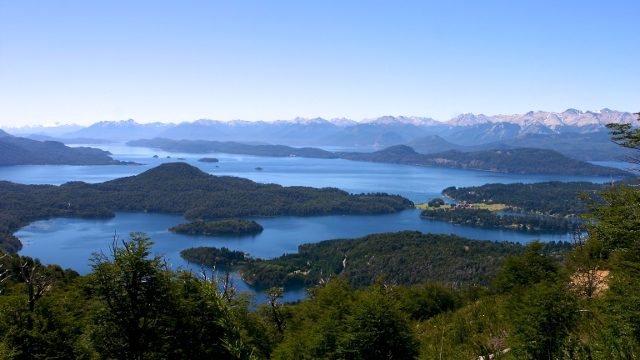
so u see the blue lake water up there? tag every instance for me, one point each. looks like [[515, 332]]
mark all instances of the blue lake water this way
[[70, 242]]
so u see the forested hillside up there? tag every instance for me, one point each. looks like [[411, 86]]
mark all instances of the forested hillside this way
[[22, 151], [179, 188]]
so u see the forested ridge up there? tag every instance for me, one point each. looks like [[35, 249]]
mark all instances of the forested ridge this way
[[519, 160], [181, 189], [486, 218], [22, 151]]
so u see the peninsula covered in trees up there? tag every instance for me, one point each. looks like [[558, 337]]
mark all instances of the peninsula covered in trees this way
[[547, 198], [220, 227], [179, 188], [486, 218], [407, 257], [22, 151], [519, 160]]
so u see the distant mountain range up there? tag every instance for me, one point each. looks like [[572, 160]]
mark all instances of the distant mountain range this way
[[569, 132]]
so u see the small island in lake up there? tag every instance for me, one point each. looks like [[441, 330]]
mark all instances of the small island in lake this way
[[221, 227], [259, 169], [211, 256], [209, 160]]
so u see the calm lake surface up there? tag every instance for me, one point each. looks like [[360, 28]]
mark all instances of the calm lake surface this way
[[70, 242]]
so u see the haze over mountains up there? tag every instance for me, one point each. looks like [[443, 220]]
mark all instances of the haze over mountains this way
[[572, 132]]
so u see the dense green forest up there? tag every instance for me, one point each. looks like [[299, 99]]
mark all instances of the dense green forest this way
[[22, 151], [179, 188], [230, 147], [521, 161], [486, 218], [550, 198], [407, 258], [220, 227]]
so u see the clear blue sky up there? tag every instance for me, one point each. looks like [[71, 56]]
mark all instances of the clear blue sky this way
[[171, 61]]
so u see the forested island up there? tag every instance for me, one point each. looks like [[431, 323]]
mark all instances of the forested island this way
[[519, 160], [23, 151], [486, 218], [554, 198], [407, 257], [179, 188], [220, 227], [208, 160]]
